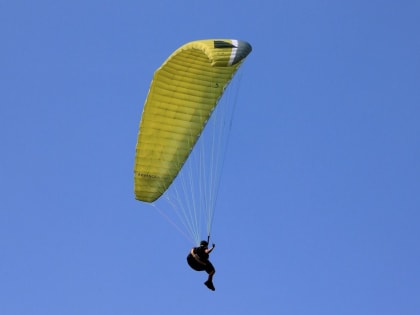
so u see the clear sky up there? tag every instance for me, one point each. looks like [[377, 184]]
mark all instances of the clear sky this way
[[318, 211]]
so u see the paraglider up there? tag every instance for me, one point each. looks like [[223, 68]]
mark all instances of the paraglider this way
[[198, 259], [182, 97]]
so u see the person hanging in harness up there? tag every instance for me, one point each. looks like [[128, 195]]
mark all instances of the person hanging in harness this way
[[198, 259]]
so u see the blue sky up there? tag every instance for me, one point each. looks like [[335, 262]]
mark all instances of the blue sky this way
[[318, 211]]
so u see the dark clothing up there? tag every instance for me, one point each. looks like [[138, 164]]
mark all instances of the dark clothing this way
[[201, 252], [203, 264]]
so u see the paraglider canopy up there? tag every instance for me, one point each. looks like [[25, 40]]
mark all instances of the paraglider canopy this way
[[181, 98]]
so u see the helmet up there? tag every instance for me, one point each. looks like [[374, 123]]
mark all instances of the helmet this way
[[204, 243]]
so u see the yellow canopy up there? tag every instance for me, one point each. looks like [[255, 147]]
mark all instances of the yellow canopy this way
[[182, 95]]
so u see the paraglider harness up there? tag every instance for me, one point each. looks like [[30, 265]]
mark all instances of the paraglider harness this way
[[202, 263]]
